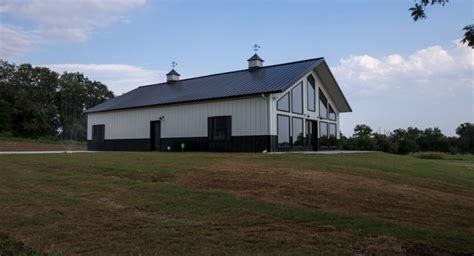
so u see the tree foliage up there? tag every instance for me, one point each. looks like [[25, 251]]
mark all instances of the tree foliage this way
[[35, 101], [412, 139], [466, 137], [418, 13]]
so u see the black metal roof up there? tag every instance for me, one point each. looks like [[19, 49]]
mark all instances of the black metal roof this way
[[173, 72], [269, 79], [255, 57]]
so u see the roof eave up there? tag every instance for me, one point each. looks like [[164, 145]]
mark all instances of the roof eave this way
[[347, 106], [183, 102]]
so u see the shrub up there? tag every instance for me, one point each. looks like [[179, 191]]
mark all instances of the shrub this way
[[431, 155]]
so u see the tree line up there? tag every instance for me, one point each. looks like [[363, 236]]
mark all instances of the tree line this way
[[410, 140], [38, 102]]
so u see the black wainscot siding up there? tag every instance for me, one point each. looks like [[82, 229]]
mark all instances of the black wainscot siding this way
[[120, 145], [236, 144]]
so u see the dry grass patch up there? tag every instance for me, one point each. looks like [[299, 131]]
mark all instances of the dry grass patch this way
[[424, 204], [34, 146]]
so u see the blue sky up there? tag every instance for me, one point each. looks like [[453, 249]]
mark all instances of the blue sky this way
[[395, 73]]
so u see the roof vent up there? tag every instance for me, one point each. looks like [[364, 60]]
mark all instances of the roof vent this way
[[255, 62], [172, 76]]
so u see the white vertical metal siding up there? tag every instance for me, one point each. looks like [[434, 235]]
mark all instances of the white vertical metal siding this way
[[249, 117]]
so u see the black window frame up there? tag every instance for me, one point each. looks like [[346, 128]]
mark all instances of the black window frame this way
[[98, 133], [322, 96], [293, 139], [331, 111], [289, 131], [313, 86], [300, 85], [212, 122], [289, 104]]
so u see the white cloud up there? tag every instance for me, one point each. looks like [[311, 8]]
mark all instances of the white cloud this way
[[432, 87], [14, 41], [71, 20], [118, 78], [427, 71]]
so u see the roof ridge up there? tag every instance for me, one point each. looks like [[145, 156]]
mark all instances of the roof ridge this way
[[235, 71]]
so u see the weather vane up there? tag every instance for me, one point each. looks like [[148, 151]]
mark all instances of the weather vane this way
[[256, 47], [174, 64]]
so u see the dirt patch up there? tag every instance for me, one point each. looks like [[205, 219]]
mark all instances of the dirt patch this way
[[387, 245], [428, 206], [27, 146]]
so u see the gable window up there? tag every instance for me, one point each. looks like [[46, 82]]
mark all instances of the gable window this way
[[283, 130], [323, 103], [297, 99], [219, 128], [332, 114], [311, 94], [297, 131], [98, 133], [283, 103]]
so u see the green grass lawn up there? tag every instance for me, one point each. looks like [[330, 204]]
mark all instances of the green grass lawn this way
[[11, 143], [209, 203]]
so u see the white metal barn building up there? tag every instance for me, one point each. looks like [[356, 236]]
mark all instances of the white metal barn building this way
[[286, 107]]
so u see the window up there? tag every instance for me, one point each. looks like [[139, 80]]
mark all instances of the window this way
[[332, 135], [309, 133], [98, 133], [311, 94], [332, 114], [283, 131], [283, 103], [219, 128], [297, 99], [323, 135], [298, 139], [323, 103]]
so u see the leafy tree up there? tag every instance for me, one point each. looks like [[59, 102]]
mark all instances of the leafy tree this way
[[363, 137], [453, 145], [76, 94], [7, 71], [466, 137], [346, 143], [35, 101], [383, 143], [362, 130], [432, 139], [418, 13], [468, 35], [406, 140], [31, 100]]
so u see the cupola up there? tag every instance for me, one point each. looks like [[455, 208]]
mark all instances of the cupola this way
[[172, 76]]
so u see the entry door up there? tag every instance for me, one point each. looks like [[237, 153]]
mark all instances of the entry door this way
[[155, 135], [315, 135]]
